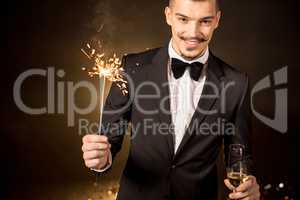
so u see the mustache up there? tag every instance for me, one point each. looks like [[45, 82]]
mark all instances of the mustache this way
[[198, 39]]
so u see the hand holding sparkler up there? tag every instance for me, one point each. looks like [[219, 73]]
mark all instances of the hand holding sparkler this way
[[96, 148], [96, 151]]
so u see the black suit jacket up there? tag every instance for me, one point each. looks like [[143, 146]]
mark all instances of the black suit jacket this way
[[153, 171]]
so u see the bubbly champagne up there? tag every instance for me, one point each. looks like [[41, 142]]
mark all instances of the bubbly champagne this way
[[236, 178]]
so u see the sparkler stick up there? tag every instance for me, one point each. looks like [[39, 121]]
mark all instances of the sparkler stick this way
[[106, 69], [102, 83]]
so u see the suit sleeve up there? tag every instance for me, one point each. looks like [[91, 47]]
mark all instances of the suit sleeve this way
[[117, 114], [242, 122]]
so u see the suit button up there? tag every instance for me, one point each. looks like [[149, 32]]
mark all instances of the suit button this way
[[173, 166]]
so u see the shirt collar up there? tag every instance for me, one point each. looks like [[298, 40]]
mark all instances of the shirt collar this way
[[173, 54]]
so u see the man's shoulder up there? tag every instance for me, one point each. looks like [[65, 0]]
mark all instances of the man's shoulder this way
[[229, 71], [140, 58], [236, 80]]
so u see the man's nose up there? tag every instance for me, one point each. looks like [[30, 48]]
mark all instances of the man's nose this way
[[194, 30]]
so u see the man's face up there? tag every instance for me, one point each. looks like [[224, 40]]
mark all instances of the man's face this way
[[192, 24]]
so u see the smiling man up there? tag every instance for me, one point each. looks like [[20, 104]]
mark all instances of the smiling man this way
[[177, 162], [193, 24]]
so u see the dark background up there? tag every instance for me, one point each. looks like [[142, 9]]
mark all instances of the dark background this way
[[41, 155]]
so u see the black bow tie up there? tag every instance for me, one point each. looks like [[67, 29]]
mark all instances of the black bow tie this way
[[178, 67]]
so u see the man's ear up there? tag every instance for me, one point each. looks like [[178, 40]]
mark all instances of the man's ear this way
[[168, 15], [218, 17]]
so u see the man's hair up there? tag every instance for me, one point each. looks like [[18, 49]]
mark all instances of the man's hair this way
[[217, 3]]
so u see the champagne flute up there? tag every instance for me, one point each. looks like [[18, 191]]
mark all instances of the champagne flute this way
[[236, 170]]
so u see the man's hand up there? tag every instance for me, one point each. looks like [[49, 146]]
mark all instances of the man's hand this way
[[248, 190], [96, 150]]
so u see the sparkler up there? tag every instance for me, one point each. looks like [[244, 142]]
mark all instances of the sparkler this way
[[106, 69]]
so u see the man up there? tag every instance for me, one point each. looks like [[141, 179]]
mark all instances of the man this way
[[177, 163]]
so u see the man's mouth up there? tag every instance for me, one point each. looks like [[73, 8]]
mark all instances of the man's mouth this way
[[192, 43]]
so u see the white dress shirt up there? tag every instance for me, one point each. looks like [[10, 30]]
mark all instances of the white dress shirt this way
[[184, 96]]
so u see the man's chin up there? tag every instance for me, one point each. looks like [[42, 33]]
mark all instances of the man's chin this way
[[189, 55]]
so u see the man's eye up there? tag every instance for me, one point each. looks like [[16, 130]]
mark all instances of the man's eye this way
[[183, 19], [206, 22]]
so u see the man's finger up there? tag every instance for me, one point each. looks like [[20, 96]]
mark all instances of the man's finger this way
[[246, 185], [94, 155], [251, 193], [95, 146], [94, 138], [228, 184], [92, 163], [238, 195]]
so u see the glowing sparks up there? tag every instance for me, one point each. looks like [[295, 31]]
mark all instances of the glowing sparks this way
[[109, 68]]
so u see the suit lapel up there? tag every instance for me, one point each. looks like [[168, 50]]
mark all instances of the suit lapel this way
[[159, 74], [214, 74]]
